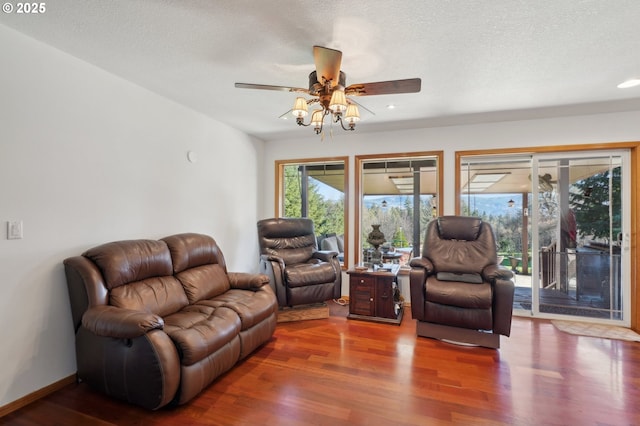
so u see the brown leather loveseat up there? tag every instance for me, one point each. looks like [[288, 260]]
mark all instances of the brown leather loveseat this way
[[156, 321]]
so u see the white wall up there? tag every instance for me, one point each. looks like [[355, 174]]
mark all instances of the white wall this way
[[587, 129], [87, 158]]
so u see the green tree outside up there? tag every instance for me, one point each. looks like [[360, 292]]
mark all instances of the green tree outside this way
[[327, 215]]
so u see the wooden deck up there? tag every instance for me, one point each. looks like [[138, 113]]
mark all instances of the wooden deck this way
[[565, 303]]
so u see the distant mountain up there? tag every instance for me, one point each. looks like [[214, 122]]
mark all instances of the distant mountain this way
[[493, 204], [392, 201], [496, 204]]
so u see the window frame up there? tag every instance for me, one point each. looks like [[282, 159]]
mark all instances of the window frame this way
[[280, 190], [360, 160]]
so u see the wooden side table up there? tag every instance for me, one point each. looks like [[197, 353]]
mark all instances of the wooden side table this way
[[374, 295]]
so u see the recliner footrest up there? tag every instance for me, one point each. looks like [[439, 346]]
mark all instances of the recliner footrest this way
[[455, 334]]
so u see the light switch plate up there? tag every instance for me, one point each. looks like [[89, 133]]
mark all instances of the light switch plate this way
[[14, 230]]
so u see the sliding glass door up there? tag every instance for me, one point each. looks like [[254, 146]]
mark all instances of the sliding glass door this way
[[579, 209], [560, 221]]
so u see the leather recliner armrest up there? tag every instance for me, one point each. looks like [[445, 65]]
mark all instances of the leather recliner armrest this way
[[120, 323], [325, 255], [422, 262], [503, 306], [247, 281], [272, 258], [495, 272]]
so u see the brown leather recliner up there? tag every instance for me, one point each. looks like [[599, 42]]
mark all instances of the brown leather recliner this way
[[458, 290], [298, 272]]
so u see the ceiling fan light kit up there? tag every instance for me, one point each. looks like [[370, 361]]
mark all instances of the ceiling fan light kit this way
[[330, 92], [337, 106]]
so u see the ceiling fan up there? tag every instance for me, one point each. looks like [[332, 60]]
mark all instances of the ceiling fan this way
[[545, 182], [327, 85]]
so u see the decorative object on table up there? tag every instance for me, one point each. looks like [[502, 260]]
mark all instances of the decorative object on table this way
[[376, 239]]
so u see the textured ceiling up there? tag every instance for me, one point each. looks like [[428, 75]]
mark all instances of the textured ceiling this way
[[479, 60]]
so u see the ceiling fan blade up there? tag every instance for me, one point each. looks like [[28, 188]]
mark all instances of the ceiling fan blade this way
[[285, 116], [410, 85], [327, 64], [270, 87]]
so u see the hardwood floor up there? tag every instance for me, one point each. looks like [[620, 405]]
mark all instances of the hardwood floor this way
[[347, 372]]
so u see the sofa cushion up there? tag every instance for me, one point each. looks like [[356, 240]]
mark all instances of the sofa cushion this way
[[340, 239], [123, 262], [463, 278], [199, 330], [453, 316], [458, 294], [189, 250], [251, 306], [204, 282], [303, 274], [330, 244], [161, 296], [462, 228], [459, 244], [292, 239]]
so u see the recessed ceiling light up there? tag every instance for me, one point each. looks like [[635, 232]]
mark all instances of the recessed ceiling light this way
[[629, 83], [391, 106]]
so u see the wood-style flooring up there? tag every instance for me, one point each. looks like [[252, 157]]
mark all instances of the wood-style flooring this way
[[347, 372]]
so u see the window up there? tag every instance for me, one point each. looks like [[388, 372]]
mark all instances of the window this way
[[316, 189], [401, 193]]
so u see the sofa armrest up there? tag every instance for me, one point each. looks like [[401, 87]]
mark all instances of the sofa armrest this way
[[120, 323], [325, 255], [143, 370], [247, 281]]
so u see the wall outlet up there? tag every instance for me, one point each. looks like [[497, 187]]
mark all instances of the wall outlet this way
[[14, 230]]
